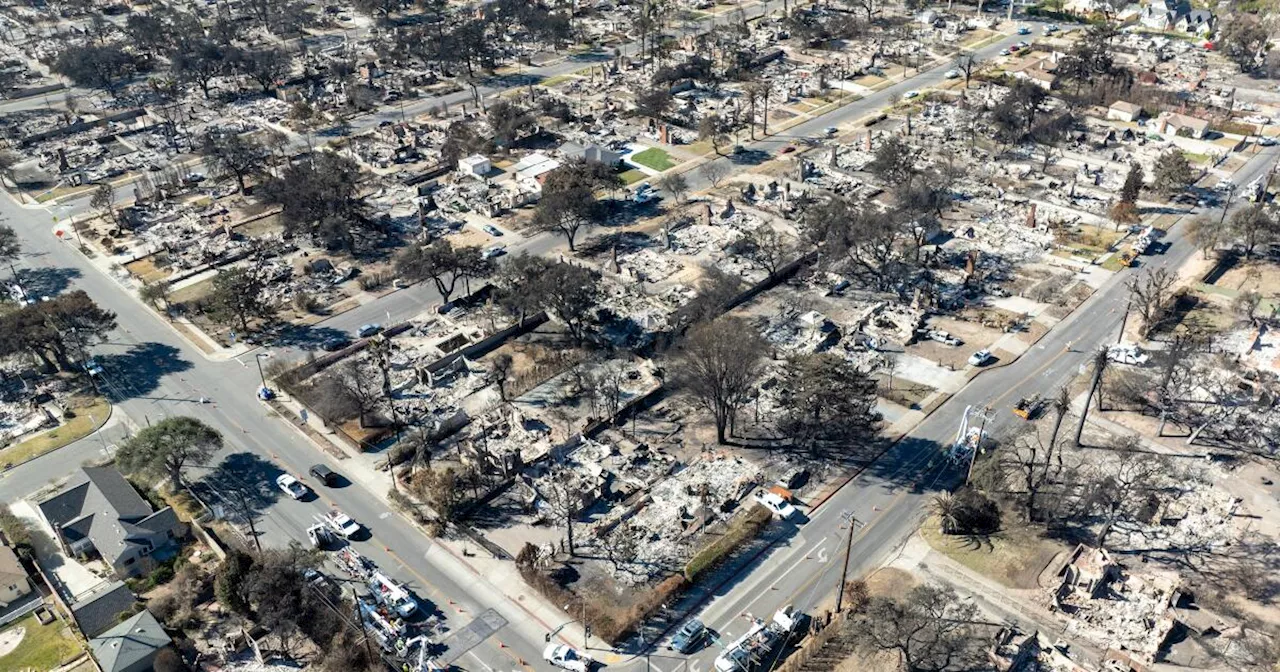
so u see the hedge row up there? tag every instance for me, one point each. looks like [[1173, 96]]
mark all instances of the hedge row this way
[[742, 528]]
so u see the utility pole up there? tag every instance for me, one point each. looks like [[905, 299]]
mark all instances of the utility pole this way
[[844, 573], [355, 601], [253, 530]]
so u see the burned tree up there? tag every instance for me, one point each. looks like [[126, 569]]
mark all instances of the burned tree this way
[[719, 364], [1150, 294]]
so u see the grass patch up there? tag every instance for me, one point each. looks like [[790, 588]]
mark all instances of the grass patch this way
[[145, 269], [43, 647], [1014, 556], [632, 176], [90, 413], [558, 79], [655, 158], [192, 292]]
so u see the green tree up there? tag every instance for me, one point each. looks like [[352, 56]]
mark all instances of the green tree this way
[[237, 296], [231, 583], [568, 203], [168, 447], [1133, 183], [443, 263], [319, 197], [1172, 173], [10, 248], [156, 293], [95, 67], [828, 403]]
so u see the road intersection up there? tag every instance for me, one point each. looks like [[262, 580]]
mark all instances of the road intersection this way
[[152, 371]]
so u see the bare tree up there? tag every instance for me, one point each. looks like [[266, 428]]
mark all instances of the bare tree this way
[[364, 393], [714, 171], [720, 362], [967, 64], [1100, 362], [770, 248], [1126, 488], [930, 628], [1150, 293], [563, 499]]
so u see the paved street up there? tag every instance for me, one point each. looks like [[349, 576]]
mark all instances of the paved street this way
[[891, 497], [153, 372]]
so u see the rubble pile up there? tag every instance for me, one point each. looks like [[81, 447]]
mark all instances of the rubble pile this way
[[665, 525]]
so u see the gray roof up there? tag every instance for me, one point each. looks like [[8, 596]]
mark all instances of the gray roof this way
[[106, 509], [135, 640], [97, 613]]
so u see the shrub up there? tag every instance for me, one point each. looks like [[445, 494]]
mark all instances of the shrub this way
[[15, 529], [742, 528], [371, 281], [306, 303]]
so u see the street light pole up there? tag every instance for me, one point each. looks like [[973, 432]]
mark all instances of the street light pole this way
[[257, 358]]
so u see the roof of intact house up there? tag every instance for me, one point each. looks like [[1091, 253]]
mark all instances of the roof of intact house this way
[[106, 509], [135, 639], [1125, 106], [98, 612]]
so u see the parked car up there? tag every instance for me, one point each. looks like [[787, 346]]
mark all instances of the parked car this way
[[980, 358], [775, 503], [1023, 30], [910, 94], [494, 252], [688, 637], [292, 486], [832, 130], [368, 330], [566, 657], [492, 230], [342, 523], [953, 74], [323, 474]]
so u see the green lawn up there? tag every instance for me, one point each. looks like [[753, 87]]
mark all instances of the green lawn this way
[[632, 176], [654, 158], [43, 647], [90, 412]]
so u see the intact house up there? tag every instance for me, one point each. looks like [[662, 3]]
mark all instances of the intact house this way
[[591, 153], [101, 610], [1177, 15], [1181, 124], [131, 646], [14, 586], [1124, 111], [101, 512]]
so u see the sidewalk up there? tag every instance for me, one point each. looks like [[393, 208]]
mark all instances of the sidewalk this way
[[464, 560]]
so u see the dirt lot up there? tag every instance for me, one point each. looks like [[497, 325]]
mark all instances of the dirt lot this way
[[974, 335]]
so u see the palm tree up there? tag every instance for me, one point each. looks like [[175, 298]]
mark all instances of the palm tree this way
[[1100, 362], [947, 509]]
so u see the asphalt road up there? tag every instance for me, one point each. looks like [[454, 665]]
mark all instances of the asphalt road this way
[[155, 373], [890, 499]]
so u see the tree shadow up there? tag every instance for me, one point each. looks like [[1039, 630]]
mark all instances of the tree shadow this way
[[46, 281], [305, 336], [137, 371], [244, 483]]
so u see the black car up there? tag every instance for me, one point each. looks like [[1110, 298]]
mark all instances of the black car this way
[[323, 473], [688, 637]]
